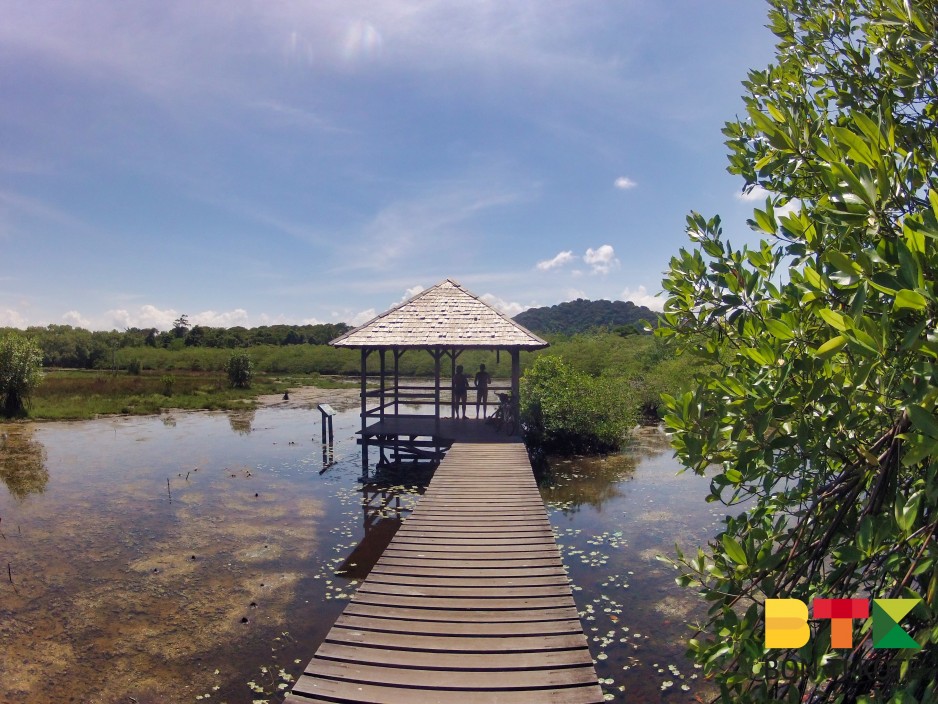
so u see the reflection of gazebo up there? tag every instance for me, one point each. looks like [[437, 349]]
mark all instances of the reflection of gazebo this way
[[444, 320]]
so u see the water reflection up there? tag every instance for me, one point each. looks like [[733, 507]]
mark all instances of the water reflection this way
[[384, 510], [22, 461], [612, 517], [570, 483], [242, 422]]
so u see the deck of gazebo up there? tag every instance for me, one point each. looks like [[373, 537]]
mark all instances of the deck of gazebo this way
[[446, 430]]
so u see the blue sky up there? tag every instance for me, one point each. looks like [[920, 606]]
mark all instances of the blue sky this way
[[249, 163]]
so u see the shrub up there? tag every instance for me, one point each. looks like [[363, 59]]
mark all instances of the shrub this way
[[565, 411], [168, 381], [20, 373], [240, 370], [134, 366]]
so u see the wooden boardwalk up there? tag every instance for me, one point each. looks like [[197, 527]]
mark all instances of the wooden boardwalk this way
[[468, 604]]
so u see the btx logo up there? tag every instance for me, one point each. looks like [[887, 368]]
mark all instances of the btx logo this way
[[786, 621]]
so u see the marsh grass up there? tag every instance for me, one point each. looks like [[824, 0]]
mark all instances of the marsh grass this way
[[83, 394]]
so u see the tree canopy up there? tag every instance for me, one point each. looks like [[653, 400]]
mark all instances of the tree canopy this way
[[572, 317], [20, 373], [818, 419]]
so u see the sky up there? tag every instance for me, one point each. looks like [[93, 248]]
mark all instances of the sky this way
[[251, 163]]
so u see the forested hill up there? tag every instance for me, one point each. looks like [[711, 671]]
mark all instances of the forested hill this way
[[581, 315]]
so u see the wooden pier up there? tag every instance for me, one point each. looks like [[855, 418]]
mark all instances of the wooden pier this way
[[469, 603]]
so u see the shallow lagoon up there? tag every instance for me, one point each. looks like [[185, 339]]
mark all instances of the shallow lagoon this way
[[219, 585]]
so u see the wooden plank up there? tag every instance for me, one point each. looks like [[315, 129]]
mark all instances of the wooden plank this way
[[396, 564], [464, 680], [523, 581], [460, 592], [390, 568], [333, 691], [465, 603], [418, 613], [451, 643], [456, 661], [542, 549], [406, 628]]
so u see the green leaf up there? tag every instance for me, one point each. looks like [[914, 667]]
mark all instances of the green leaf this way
[[832, 318], [924, 421], [734, 550], [907, 298], [831, 346], [907, 511], [779, 329]]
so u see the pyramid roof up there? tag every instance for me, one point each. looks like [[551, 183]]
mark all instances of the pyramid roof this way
[[446, 315]]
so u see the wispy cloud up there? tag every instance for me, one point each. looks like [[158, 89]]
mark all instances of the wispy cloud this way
[[559, 260], [419, 228], [624, 183]]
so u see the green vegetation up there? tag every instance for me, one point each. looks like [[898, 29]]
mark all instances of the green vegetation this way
[[76, 348], [20, 373], [584, 393], [579, 316], [77, 394], [240, 370], [186, 375], [565, 411], [819, 409]]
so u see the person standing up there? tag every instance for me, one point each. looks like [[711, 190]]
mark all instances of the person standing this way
[[460, 391], [482, 381]]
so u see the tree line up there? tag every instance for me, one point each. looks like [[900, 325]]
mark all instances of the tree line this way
[[78, 348]]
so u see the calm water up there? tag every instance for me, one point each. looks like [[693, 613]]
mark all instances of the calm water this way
[[219, 585]]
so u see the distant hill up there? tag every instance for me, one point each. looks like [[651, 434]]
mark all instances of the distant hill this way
[[581, 315]]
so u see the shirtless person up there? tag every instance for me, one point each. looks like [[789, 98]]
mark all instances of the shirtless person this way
[[482, 381]]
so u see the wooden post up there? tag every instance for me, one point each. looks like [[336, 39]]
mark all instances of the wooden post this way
[[364, 392], [516, 384], [437, 356], [397, 380], [381, 396]]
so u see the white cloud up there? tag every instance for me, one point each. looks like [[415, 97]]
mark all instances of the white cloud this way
[[362, 317], [228, 319], [559, 260], [74, 318], [624, 183], [602, 259], [11, 319], [149, 316], [574, 293], [640, 297], [408, 294], [509, 308]]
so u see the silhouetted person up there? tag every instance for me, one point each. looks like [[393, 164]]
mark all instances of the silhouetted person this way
[[460, 391], [482, 381]]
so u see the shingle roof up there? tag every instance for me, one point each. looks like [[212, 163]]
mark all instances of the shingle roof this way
[[446, 315]]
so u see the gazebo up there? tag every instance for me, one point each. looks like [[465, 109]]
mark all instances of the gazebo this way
[[444, 321]]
